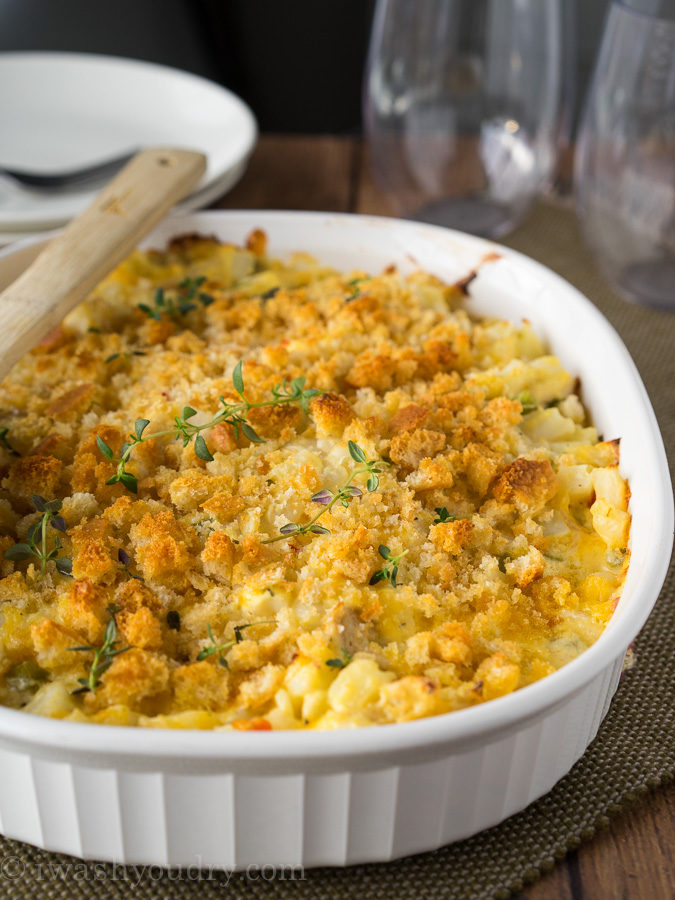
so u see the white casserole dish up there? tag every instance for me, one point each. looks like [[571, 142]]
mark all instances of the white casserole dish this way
[[232, 799]]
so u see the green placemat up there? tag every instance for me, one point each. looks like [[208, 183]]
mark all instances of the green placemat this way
[[633, 752]]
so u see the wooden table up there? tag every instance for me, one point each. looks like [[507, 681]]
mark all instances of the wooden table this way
[[632, 859]]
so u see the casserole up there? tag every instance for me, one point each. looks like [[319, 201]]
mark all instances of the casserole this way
[[233, 799]]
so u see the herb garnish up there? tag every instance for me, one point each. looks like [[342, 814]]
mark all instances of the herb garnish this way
[[233, 414], [389, 570], [36, 541], [356, 291], [528, 402], [444, 516], [340, 662], [344, 495], [125, 559], [103, 655], [220, 649], [124, 355], [4, 431], [182, 303]]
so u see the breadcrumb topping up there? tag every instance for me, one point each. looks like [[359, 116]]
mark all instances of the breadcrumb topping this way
[[489, 549]]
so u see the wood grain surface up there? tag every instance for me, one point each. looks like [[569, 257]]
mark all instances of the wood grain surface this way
[[633, 857]]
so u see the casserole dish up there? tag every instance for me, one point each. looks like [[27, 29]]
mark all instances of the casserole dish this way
[[232, 799]]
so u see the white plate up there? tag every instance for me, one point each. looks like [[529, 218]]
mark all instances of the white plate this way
[[195, 201], [60, 111], [235, 799]]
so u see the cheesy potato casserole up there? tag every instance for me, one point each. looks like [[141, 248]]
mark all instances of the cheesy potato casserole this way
[[244, 494]]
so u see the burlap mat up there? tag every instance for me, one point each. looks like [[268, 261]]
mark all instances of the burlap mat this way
[[633, 752]]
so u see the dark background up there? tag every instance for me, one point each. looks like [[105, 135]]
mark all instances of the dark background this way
[[298, 63]]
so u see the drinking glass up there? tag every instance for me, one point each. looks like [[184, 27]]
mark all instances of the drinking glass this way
[[466, 106], [625, 164]]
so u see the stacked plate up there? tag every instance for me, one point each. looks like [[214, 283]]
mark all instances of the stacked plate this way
[[65, 111]]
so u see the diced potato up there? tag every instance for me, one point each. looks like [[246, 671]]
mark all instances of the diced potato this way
[[544, 377], [595, 589], [357, 685], [577, 481], [314, 705], [54, 699], [304, 678], [549, 425], [612, 524], [610, 486]]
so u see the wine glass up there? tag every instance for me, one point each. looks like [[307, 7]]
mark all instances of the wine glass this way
[[466, 106], [625, 163]]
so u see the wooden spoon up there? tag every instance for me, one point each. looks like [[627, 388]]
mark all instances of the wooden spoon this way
[[91, 245]]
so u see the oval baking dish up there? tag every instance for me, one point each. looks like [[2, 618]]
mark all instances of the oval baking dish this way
[[232, 799]]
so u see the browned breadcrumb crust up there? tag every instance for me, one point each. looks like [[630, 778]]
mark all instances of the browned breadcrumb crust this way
[[515, 524]]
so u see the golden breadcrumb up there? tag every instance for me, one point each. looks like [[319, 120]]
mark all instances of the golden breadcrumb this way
[[489, 550]]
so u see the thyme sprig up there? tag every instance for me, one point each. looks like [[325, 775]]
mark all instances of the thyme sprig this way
[[36, 544], [528, 402], [126, 355], [184, 302], [389, 570], [442, 515], [233, 414], [125, 560], [355, 289], [344, 495], [339, 662], [103, 655], [221, 649]]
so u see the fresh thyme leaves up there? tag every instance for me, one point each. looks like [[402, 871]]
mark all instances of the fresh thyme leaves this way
[[239, 628], [125, 560], [125, 355], [215, 647], [103, 655], [4, 431], [183, 302], [189, 288], [37, 543], [344, 495], [356, 291], [233, 414], [527, 401], [444, 516], [339, 662], [389, 570], [221, 649], [163, 305], [238, 377]]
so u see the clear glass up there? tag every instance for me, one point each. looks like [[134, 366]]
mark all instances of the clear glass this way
[[625, 163], [466, 106]]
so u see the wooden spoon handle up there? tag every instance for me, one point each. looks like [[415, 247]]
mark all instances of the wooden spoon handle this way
[[91, 245]]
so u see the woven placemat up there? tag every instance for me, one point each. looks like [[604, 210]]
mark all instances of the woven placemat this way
[[633, 752]]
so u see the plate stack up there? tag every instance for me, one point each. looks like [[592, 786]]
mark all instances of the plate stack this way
[[68, 111]]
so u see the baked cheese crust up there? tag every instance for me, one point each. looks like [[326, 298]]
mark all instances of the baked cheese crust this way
[[505, 516]]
